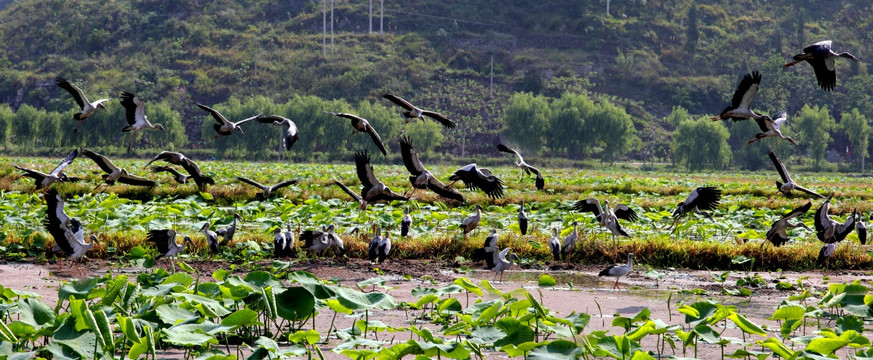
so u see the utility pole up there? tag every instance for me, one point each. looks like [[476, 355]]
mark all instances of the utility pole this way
[[371, 16], [331, 25], [381, 13], [324, 28], [491, 85]]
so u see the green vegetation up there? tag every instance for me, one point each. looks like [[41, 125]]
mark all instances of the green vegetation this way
[[269, 311], [122, 215]]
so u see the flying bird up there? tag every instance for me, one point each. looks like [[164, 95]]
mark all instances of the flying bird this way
[[522, 219], [179, 177], [476, 178], [413, 112], [789, 184], [88, 108], [740, 104], [266, 191], [821, 57], [771, 128], [421, 177], [699, 201], [471, 222], [606, 216], [828, 230], [525, 168], [351, 193], [165, 241], [405, 223], [134, 113], [618, 270], [224, 127], [68, 232], [291, 135], [43, 180], [189, 165], [501, 263], [778, 233], [373, 189], [114, 173], [362, 125]]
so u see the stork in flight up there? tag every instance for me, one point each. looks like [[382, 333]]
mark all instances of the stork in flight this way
[[42, 179], [291, 134], [421, 177], [479, 178], [267, 191], [699, 201], [413, 112], [224, 127], [525, 168], [740, 108], [373, 190], [189, 165], [778, 233], [134, 113], [114, 173], [608, 217], [179, 177], [68, 232], [165, 241], [821, 57], [88, 108], [789, 184], [362, 125], [771, 127], [831, 232]]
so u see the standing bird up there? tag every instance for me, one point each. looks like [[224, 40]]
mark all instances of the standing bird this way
[[522, 219], [606, 216], [570, 241], [501, 264], [405, 223], [778, 233], [114, 173], [68, 232], [701, 199], [789, 184], [224, 127], [291, 135], [319, 241], [413, 112], [821, 57], [362, 125], [555, 244], [525, 168], [471, 222], [372, 249], [486, 252], [861, 229], [421, 177], [43, 180], [476, 178], [266, 191], [134, 113], [618, 270], [211, 238], [771, 128], [280, 243], [165, 240], [189, 165], [88, 108], [179, 177], [740, 108], [373, 190], [380, 247], [228, 232], [824, 255]]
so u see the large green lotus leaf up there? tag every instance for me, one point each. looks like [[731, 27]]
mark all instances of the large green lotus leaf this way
[[357, 300], [35, 312], [315, 286], [295, 304], [206, 327], [188, 338], [174, 314], [77, 290], [262, 279], [242, 317], [555, 350], [213, 305], [486, 335], [516, 332], [81, 342]]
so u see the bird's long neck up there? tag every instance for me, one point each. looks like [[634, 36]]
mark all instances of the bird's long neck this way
[[630, 262]]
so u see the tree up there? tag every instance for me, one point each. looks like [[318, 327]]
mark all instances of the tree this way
[[692, 34], [6, 118], [614, 130], [813, 125], [567, 127], [855, 125], [676, 116], [425, 135], [527, 121], [700, 144]]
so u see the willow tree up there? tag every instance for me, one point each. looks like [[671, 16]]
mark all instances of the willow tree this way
[[700, 144], [855, 125], [813, 125]]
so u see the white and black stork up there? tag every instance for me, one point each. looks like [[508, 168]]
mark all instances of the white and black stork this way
[[134, 113], [165, 241], [362, 125], [114, 173], [267, 191], [699, 201], [413, 112], [608, 217], [618, 270], [526, 169], [771, 127], [479, 178], [291, 134], [778, 233], [68, 232], [821, 57], [373, 190], [421, 177], [43, 180], [788, 184], [740, 108], [189, 165], [88, 108], [224, 127]]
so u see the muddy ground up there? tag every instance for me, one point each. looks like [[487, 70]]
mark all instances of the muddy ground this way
[[578, 289]]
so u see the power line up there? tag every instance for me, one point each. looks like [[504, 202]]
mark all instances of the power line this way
[[509, 25]]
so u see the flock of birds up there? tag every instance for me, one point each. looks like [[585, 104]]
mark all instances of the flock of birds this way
[[69, 232]]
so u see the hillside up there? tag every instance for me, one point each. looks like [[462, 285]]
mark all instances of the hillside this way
[[646, 56]]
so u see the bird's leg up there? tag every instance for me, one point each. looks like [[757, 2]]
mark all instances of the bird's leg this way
[[616, 284], [130, 143]]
